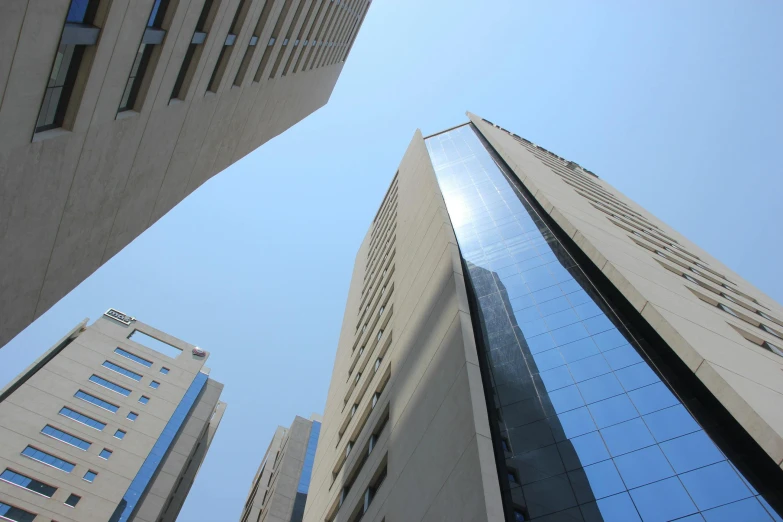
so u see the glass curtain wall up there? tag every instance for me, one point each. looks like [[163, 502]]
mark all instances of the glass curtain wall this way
[[587, 428]]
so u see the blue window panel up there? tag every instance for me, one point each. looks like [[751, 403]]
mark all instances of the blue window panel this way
[[600, 388], [583, 450], [16, 514], [613, 411], [652, 398], [132, 416], [60, 435], [154, 385], [561, 319], [96, 401], [663, 501], [540, 343], [714, 485], [769, 509], [123, 371], [90, 476], [28, 483], [596, 481], [617, 508], [557, 378], [748, 510], [48, 459], [132, 357], [622, 356], [144, 399], [105, 454], [548, 360], [119, 434], [164, 371], [587, 309], [609, 340], [692, 451], [670, 423], [636, 376], [84, 419], [307, 469], [588, 368], [572, 424], [100, 381], [627, 436], [77, 11], [643, 467], [579, 350], [566, 399], [569, 334], [141, 480]]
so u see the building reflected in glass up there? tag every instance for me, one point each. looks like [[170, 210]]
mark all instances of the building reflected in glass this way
[[586, 426]]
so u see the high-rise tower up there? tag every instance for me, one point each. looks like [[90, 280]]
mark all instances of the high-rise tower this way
[[111, 424], [112, 112], [523, 342]]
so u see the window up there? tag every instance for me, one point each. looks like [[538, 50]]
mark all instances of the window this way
[[134, 358], [23, 481], [353, 409], [49, 460], [375, 397], [348, 448], [84, 419], [105, 453], [96, 401], [154, 385], [66, 438], [90, 476], [769, 330], [377, 363], [122, 371], [144, 399], [78, 34], [380, 334], [728, 310], [512, 479], [132, 416], [100, 381], [228, 45], [72, 500], [380, 312], [16, 514], [772, 348], [119, 434], [135, 87], [358, 376], [364, 328], [164, 371], [188, 68]]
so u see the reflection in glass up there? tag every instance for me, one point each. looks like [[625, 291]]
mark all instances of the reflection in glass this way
[[588, 429]]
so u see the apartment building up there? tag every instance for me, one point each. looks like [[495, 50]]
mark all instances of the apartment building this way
[[113, 111], [279, 489], [521, 342], [111, 424]]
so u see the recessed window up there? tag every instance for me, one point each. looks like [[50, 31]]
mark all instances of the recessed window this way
[[100, 381], [119, 434], [16, 514], [375, 397], [364, 328], [380, 334], [769, 330], [122, 371], [164, 371], [358, 376], [49, 460], [144, 399], [105, 454], [96, 401], [380, 312], [348, 448], [765, 316], [154, 385], [132, 416], [67, 438], [72, 500], [728, 310], [773, 348], [26, 482], [83, 419], [378, 363], [361, 351], [353, 409], [90, 476], [512, 478], [134, 358]]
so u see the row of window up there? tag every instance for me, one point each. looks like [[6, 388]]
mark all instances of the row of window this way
[[81, 33]]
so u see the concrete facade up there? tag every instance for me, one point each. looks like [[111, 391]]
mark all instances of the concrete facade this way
[[417, 422], [73, 196], [280, 486], [167, 408]]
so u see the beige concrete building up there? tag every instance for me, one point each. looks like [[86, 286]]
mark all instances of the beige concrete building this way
[[111, 424], [523, 342], [280, 486], [113, 111]]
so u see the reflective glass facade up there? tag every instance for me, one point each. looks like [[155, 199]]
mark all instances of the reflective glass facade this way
[[588, 430]]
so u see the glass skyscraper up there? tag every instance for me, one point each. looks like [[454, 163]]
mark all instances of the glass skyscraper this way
[[522, 342]]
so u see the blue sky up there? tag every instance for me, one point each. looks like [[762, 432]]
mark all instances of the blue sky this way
[[677, 104]]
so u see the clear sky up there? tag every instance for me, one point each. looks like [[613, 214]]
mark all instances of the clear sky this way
[[677, 104]]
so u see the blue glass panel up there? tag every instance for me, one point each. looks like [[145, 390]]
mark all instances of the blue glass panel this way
[[132, 357], [48, 459], [563, 368], [123, 371], [84, 419], [67, 438], [76, 11], [100, 381], [748, 510]]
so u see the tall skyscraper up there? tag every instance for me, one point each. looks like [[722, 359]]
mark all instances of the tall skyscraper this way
[[523, 342], [111, 424], [279, 489], [112, 112]]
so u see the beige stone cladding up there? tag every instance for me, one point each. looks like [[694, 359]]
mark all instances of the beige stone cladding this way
[[405, 433], [106, 400], [274, 494], [722, 327], [73, 196]]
